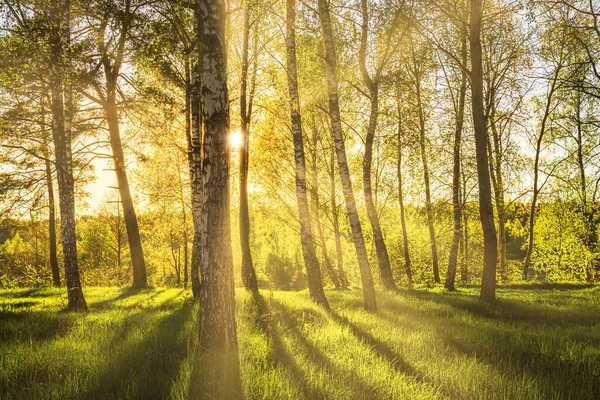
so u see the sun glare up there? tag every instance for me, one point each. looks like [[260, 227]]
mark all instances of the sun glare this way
[[235, 139]]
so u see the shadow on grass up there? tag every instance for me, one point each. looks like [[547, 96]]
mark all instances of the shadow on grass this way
[[545, 286], [511, 310], [145, 368], [34, 325], [293, 327], [264, 321], [540, 348], [125, 294], [384, 350]]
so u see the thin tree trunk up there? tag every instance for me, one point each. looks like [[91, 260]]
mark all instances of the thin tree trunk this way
[[217, 304], [131, 223], [317, 208], [52, 226], [456, 203], [383, 258], [315, 284], [538, 150], [587, 211], [336, 223], [338, 138], [61, 132], [498, 184], [248, 272], [464, 271], [51, 203], [183, 211], [405, 248], [486, 212], [423, 148]]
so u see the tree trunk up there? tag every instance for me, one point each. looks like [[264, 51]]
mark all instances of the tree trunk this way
[[498, 184], [338, 138], [456, 203], [372, 85], [336, 223], [248, 272], [51, 202], [61, 107], [195, 155], [315, 284], [422, 144], [52, 226], [464, 271], [486, 213], [316, 207], [217, 304], [131, 224], [405, 248], [538, 150], [183, 211]]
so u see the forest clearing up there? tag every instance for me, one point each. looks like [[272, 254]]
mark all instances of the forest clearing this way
[[538, 342], [299, 199]]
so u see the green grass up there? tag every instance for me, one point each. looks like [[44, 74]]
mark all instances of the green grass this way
[[537, 342]]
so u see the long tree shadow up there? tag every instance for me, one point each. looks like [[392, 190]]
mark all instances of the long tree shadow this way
[[545, 286], [509, 310], [384, 350], [147, 367], [535, 347], [292, 326], [265, 323], [34, 325], [125, 294]]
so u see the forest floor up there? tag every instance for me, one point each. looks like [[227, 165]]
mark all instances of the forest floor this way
[[536, 342]]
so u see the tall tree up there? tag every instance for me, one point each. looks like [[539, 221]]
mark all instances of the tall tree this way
[[554, 84], [315, 284], [246, 102], [217, 304], [340, 149], [405, 248], [111, 62], [59, 77], [459, 110], [372, 84], [486, 212], [418, 62], [314, 151]]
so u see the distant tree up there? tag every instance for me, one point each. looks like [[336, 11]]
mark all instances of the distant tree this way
[[246, 103]]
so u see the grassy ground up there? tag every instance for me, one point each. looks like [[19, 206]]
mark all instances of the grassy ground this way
[[537, 342]]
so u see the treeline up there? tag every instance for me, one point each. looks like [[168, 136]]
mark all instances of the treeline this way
[[372, 143]]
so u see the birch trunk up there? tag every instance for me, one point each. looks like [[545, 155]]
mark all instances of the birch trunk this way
[[338, 138], [217, 304], [61, 108], [195, 156], [315, 284]]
